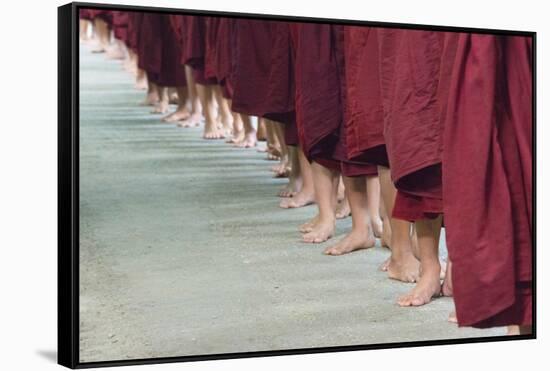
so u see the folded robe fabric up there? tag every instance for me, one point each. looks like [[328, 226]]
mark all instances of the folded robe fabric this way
[[134, 29], [414, 79], [488, 180], [364, 121], [120, 25], [318, 98], [149, 46], [194, 47]]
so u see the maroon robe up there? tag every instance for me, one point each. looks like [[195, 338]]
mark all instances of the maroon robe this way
[[318, 101], [172, 72], [105, 15], [149, 45], [85, 14], [224, 57], [134, 28], [488, 180], [414, 66], [120, 26], [321, 96], [210, 49], [194, 46], [364, 122]]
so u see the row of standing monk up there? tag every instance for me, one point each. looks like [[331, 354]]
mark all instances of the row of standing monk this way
[[435, 126]]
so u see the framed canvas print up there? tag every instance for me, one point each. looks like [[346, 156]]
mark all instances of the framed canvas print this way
[[241, 185]]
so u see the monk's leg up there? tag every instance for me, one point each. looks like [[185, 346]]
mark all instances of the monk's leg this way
[[225, 116], [361, 236], [141, 79], [306, 195], [373, 204], [273, 146], [249, 139], [153, 94], [283, 169], [428, 285], [84, 25], [447, 286], [325, 183], [261, 133], [206, 97], [237, 135], [195, 117], [162, 105], [386, 230], [295, 176], [102, 31], [343, 209], [115, 50], [181, 112], [402, 265]]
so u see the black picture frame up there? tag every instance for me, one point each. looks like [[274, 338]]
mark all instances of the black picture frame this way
[[68, 188]]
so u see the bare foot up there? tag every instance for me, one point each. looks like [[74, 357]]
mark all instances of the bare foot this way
[[386, 234], [322, 231], [428, 287], [452, 317], [384, 266], [343, 210], [212, 132], [114, 52], [303, 198], [192, 122], [150, 100], [273, 153], [292, 188], [405, 268], [179, 115], [355, 240], [141, 83], [512, 330], [249, 141], [237, 137], [377, 227], [160, 108], [309, 225]]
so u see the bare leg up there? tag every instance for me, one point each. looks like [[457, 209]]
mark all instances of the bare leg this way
[[153, 95], [102, 31], [403, 265], [116, 50], [206, 97], [373, 204], [249, 139], [284, 166], [428, 285], [273, 147], [295, 177], [343, 209], [195, 118], [162, 105], [238, 129], [181, 113], [361, 236], [447, 286], [84, 25], [226, 117], [306, 196], [386, 231], [325, 183], [141, 79]]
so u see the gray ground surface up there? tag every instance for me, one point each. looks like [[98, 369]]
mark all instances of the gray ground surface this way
[[184, 251]]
